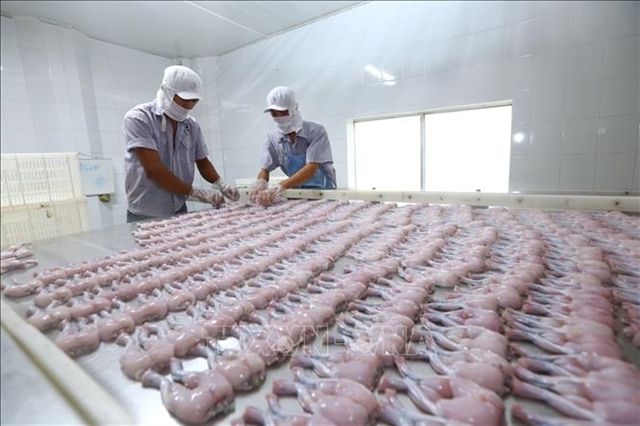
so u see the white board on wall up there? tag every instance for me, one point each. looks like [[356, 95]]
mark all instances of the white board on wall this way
[[97, 176]]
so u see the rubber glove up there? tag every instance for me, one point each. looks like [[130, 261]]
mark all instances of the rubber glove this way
[[258, 186], [229, 191], [211, 196], [271, 195]]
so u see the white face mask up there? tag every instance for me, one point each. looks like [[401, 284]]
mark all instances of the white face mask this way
[[177, 112], [289, 123], [284, 124]]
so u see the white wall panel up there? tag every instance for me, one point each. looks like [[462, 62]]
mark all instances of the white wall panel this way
[[74, 92], [8, 32], [60, 90], [544, 8], [618, 134], [13, 87], [580, 136], [24, 134], [63, 111], [547, 103], [56, 64], [44, 115], [98, 49], [614, 172], [461, 84], [434, 57], [520, 141], [518, 74], [51, 38], [17, 114], [461, 51], [519, 39], [10, 56], [620, 96], [552, 32], [518, 174], [546, 138], [549, 68], [29, 33], [542, 173], [488, 46], [39, 89], [583, 99], [577, 172], [517, 11], [70, 66], [34, 61], [486, 15], [623, 19], [522, 101], [487, 79], [589, 22], [585, 63], [68, 140], [48, 139], [534, 173], [448, 21], [622, 57]]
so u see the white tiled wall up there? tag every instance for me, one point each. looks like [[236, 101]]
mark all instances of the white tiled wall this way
[[570, 68], [64, 92]]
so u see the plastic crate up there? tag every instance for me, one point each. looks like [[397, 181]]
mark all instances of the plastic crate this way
[[39, 178], [37, 222]]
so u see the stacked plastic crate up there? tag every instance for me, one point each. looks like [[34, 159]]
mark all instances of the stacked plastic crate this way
[[41, 196]]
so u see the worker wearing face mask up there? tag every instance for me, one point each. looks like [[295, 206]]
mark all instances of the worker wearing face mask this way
[[300, 148], [164, 145]]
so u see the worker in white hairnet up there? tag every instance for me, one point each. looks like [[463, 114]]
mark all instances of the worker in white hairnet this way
[[300, 148], [164, 144]]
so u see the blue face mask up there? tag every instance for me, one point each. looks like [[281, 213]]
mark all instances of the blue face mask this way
[[177, 112]]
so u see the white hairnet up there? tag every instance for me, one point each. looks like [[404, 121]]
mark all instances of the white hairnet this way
[[281, 98], [178, 80]]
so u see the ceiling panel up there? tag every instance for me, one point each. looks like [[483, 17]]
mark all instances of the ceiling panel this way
[[179, 28], [272, 17]]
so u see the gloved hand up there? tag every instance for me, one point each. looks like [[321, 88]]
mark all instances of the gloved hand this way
[[229, 191], [211, 196], [271, 195], [257, 187]]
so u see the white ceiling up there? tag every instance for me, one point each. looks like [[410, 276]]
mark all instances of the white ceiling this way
[[179, 28]]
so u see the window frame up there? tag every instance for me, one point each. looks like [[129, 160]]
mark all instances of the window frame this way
[[351, 133]]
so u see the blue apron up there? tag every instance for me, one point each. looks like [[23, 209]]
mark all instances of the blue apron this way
[[296, 162]]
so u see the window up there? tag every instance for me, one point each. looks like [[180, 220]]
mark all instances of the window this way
[[452, 151], [468, 150], [386, 152]]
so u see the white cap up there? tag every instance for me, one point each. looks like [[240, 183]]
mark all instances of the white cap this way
[[281, 98], [183, 81]]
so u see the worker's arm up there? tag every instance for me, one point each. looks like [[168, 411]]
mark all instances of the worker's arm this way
[[301, 176], [158, 173], [207, 170], [263, 174]]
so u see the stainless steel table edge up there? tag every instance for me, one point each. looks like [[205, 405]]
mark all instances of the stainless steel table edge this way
[[89, 399]]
